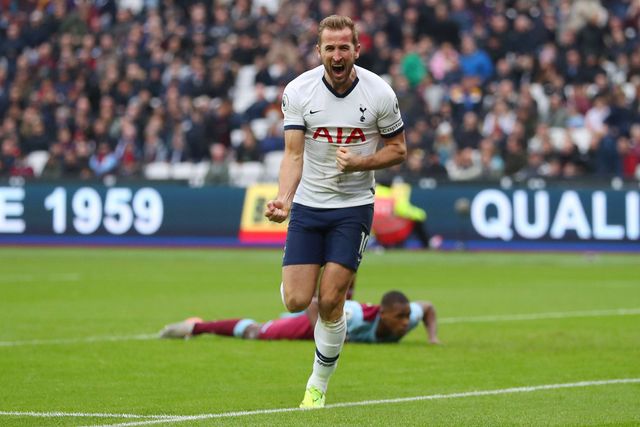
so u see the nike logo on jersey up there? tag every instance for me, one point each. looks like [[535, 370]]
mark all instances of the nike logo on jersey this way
[[313, 112]]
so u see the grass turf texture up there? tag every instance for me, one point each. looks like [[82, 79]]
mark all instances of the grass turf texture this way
[[77, 293]]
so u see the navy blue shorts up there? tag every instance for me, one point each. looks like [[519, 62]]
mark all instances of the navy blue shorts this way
[[318, 236]]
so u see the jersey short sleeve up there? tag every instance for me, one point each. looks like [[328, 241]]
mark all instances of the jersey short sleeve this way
[[389, 119], [292, 109], [417, 313]]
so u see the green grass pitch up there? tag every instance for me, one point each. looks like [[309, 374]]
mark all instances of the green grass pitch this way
[[69, 318]]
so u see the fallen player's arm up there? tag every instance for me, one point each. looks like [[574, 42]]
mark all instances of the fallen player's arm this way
[[430, 321]]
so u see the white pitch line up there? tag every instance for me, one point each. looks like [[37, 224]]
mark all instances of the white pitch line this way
[[59, 414], [511, 390], [444, 320], [57, 341], [540, 316]]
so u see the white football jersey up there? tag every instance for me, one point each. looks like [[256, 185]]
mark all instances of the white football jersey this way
[[357, 119]]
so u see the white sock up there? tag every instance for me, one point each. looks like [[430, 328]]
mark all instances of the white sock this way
[[329, 338]]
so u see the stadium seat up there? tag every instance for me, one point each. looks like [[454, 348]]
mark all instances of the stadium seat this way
[[558, 137], [272, 162], [244, 93], [260, 128], [245, 174], [157, 170], [433, 96], [581, 137], [182, 171], [537, 92], [36, 160], [271, 93], [629, 90], [199, 173], [237, 136]]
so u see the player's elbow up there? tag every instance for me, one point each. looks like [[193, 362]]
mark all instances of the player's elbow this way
[[427, 306]]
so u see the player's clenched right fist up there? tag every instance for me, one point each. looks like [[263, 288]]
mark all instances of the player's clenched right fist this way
[[276, 211]]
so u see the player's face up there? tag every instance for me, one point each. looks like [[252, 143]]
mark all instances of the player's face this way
[[338, 54], [396, 318]]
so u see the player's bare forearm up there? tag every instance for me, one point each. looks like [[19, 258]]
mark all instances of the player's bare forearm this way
[[430, 321], [393, 153], [277, 210], [290, 174]]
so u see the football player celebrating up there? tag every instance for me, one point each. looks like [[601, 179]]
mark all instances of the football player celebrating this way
[[334, 117]]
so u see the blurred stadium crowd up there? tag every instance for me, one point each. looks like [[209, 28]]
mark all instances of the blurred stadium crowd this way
[[191, 89]]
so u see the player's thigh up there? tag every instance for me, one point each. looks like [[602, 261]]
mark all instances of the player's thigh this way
[[300, 280], [348, 237]]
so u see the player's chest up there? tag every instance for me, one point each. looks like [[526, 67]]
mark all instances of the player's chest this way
[[332, 111], [337, 121]]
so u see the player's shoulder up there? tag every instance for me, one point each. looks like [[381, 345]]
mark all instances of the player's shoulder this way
[[371, 79], [305, 81], [353, 311], [417, 311], [352, 305], [370, 312]]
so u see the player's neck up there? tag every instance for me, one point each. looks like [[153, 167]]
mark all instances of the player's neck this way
[[341, 88]]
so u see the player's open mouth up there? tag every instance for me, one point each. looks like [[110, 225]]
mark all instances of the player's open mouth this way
[[337, 69]]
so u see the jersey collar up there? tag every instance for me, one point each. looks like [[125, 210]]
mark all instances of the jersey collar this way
[[340, 95]]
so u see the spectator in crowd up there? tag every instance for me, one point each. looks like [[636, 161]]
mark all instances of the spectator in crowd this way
[[54, 167], [9, 152], [473, 61], [178, 151], [249, 149], [104, 161], [499, 122], [465, 165], [515, 158], [218, 173], [414, 167], [491, 162], [557, 114], [274, 140], [444, 61], [434, 167], [468, 135], [176, 71]]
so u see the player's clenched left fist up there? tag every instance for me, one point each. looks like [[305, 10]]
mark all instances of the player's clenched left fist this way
[[346, 160]]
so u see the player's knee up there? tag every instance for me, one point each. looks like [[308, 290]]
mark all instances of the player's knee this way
[[330, 306], [295, 303], [252, 332]]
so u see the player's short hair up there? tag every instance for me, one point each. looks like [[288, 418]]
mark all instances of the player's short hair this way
[[393, 297], [338, 22]]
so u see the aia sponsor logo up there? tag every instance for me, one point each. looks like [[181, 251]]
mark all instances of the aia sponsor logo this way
[[339, 135]]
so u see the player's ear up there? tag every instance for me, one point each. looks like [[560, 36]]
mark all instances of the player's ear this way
[[357, 55], [318, 50]]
